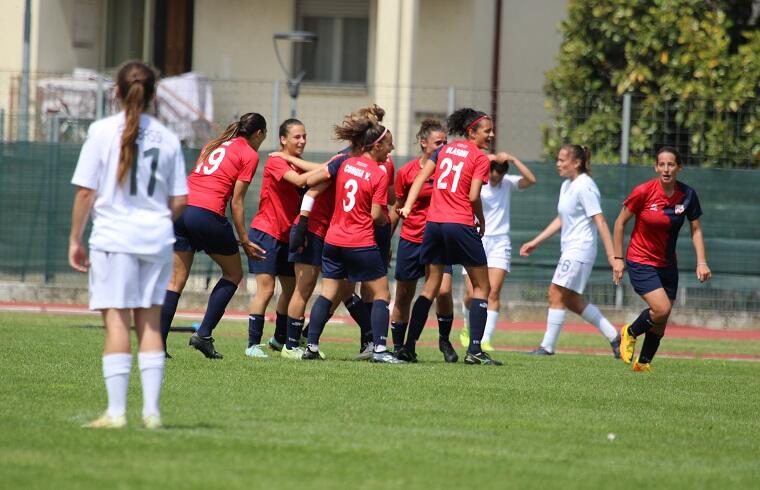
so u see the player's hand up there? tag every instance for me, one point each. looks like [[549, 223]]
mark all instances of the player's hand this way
[[298, 243], [703, 272], [404, 212], [78, 257], [618, 266], [481, 228], [252, 250], [527, 248], [279, 154]]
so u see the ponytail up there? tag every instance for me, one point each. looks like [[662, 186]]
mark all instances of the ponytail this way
[[247, 125], [582, 153], [136, 82]]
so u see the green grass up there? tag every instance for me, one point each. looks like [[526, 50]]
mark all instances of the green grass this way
[[239, 423]]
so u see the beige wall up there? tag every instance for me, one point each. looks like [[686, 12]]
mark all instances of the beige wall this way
[[54, 23]]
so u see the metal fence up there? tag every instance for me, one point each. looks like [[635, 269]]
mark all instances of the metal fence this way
[[628, 128], [36, 197]]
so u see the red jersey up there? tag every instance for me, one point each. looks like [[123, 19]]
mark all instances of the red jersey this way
[[211, 183], [390, 170], [658, 220], [413, 227], [280, 201], [359, 183], [458, 164], [322, 211]]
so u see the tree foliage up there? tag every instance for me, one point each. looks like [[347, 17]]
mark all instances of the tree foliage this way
[[693, 72]]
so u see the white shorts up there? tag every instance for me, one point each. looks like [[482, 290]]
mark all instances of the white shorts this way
[[121, 280], [498, 252], [572, 274]]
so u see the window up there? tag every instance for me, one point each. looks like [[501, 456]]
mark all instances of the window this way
[[124, 31], [340, 53]]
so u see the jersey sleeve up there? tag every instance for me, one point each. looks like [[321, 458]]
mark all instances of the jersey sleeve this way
[[334, 165], [178, 181], [399, 187], [278, 168], [635, 200], [90, 164], [482, 168], [590, 199], [380, 191], [693, 209], [249, 165], [514, 181]]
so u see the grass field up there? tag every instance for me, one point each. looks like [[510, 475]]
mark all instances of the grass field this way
[[239, 423]]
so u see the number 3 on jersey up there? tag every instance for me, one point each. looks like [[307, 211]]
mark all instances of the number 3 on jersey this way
[[350, 200], [447, 166]]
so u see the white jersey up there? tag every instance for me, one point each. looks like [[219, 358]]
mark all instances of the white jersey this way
[[579, 201], [133, 217], [496, 200]]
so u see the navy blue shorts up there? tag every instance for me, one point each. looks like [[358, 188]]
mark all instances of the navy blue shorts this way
[[201, 229], [357, 264], [409, 266], [452, 243], [312, 253], [383, 240], [646, 278], [276, 261]]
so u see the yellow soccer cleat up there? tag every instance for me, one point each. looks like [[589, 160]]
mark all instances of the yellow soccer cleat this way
[[486, 346], [152, 422], [105, 421], [642, 367], [464, 336], [627, 344]]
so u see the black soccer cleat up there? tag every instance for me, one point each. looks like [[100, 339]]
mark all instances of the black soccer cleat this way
[[615, 344], [449, 354], [310, 355], [205, 345], [481, 358], [406, 355]]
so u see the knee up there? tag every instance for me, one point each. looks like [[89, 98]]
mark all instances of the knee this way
[[494, 295], [659, 313], [178, 282], [234, 277], [265, 290]]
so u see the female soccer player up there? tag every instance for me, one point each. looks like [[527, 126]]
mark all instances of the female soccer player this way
[[225, 168], [579, 217], [131, 174], [660, 206], [270, 229], [496, 198], [451, 237], [350, 250], [409, 267]]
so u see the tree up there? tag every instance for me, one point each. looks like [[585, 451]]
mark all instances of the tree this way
[[693, 72]]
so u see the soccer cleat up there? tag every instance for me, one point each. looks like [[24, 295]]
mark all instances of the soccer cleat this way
[[105, 421], [152, 422], [615, 344], [627, 345], [274, 344], [642, 367], [540, 352], [310, 355], [406, 355], [449, 354], [205, 345], [295, 353], [366, 352], [486, 346], [256, 351], [385, 357], [166, 354], [464, 336], [481, 358]]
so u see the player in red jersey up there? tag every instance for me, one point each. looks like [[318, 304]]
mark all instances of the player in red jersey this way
[[350, 251], [224, 171], [459, 169], [270, 229], [660, 207], [409, 267]]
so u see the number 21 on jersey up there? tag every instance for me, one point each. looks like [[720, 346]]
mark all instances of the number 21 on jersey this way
[[447, 168]]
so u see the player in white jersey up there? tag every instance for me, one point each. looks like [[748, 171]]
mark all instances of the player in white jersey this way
[[579, 218], [131, 175], [496, 198]]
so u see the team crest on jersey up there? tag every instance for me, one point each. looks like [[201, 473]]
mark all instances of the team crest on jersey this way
[[653, 207], [679, 208]]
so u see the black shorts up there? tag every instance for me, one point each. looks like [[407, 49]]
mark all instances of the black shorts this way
[[312, 252], [452, 243], [383, 240], [276, 259], [409, 266], [356, 264], [646, 278], [201, 229]]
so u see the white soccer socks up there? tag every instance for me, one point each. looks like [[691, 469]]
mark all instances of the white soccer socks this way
[[151, 374], [116, 369], [491, 317], [555, 318], [592, 315]]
